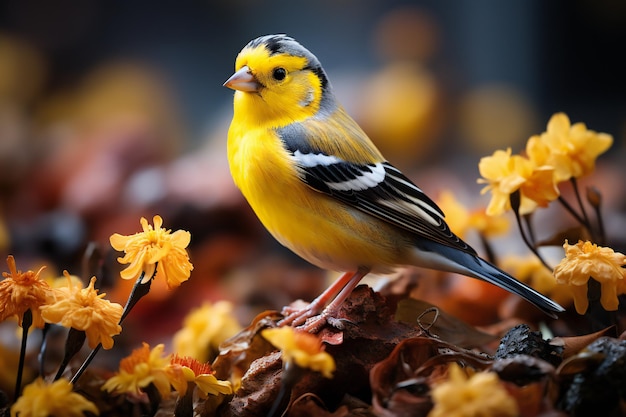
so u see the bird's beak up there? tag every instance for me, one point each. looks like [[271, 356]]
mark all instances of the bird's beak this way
[[243, 80]]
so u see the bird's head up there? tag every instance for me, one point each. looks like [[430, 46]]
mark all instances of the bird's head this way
[[279, 79]]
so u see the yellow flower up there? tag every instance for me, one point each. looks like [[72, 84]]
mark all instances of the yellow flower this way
[[461, 220], [84, 309], [21, 291], [531, 271], [505, 173], [200, 374], [480, 395], [571, 149], [586, 260], [204, 329], [142, 368], [301, 348], [154, 245], [61, 282], [41, 399]]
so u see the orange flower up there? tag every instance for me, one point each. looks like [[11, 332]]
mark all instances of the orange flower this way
[[302, 348], [22, 291], [505, 173], [41, 399], [142, 368], [481, 394], [85, 309], [185, 369], [570, 149], [586, 260], [155, 245]]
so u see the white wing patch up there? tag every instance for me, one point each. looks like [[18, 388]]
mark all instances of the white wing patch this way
[[364, 181], [310, 160]]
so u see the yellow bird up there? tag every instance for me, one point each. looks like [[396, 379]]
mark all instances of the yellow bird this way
[[322, 188]]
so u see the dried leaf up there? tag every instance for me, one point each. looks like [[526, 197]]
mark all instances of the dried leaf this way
[[573, 345], [238, 352], [401, 383], [445, 326], [309, 405]]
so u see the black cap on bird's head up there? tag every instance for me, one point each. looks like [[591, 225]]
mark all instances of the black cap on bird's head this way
[[284, 44]]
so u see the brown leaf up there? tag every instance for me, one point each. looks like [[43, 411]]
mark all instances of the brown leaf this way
[[401, 383], [441, 324], [238, 352], [309, 405], [574, 344]]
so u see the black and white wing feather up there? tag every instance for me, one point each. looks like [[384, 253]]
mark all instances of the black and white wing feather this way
[[378, 189]]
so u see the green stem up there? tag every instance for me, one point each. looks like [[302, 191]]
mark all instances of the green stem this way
[[27, 321]]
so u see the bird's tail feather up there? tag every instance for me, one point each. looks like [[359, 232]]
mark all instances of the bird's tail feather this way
[[496, 276], [439, 256]]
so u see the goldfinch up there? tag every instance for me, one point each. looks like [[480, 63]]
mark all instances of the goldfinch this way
[[322, 188]]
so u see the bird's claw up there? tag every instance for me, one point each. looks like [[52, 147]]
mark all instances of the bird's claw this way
[[310, 319]]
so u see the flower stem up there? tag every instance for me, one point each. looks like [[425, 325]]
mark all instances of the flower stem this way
[[291, 374], [41, 356], [579, 200], [85, 364], [73, 343], [594, 197], [598, 317], [571, 210], [184, 403], [515, 204], [27, 321], [139, 290]]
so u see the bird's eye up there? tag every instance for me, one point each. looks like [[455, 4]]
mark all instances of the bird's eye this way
[[279, 74]]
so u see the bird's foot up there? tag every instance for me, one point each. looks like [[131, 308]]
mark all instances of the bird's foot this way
[[298, 315], [310, 318]]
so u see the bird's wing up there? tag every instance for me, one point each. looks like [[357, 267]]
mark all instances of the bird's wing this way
[[378, 189]]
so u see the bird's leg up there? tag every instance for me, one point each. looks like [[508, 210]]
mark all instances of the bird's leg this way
[[329, 314], [337, 292], [296, 317]]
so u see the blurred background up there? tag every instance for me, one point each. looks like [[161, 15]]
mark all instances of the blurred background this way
[[112, 110]]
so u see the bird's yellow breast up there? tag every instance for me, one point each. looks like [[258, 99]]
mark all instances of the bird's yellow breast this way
[[317, 227]]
